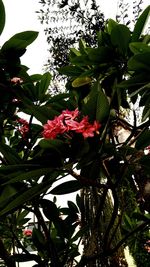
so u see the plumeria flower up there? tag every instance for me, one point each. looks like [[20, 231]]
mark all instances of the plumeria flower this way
[[24, 127], [16, 80], [67, 114], [27, 232], [68, 121], [88, 129], [53, 128]]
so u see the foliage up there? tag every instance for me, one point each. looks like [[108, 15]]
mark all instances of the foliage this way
[[65, 23], [112, 172]]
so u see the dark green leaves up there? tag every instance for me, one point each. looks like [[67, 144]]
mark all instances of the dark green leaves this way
[[66, 188], [139, 26], [55, 144], [2, 16], [24, 197], [99, 55], [140, 62], [50, 210], [111, 24], [70, 71], [10, 155], [44, 84], [120, 37], [38, 239], [20, 41], [96, 104], [138, 47], [102, 109]]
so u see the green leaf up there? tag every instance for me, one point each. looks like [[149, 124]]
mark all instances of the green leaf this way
[[35, 77], [135, 82], [6, 169], [99, 55], [7, 192], [2, 16], [143, 141], [120, 37], [90, 102], [128, 225], [55, 144], [9, 154], [50, 210], [96, 104], [102, 108], [73, 208], [25, 197], [82, 46], [59, 97], [80, 81], [140, 24], [44, 83], [41, 113], [139, 62], [146, 86], [21, 218], [74, 52], [138, 47], [66, 188], [72, 71], [81, 60], [38, 239], [20, 40], [111, 24], [35, 174]]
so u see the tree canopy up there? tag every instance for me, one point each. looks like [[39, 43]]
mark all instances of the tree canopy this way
[[86, 134]]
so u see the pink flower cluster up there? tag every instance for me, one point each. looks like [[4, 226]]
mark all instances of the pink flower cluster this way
[[16, 80], [27, 232], [69, 121], [24, 127]]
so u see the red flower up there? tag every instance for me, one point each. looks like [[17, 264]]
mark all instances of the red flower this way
[[68, 121], [67, 114], [27, 232], [86, 128], [53, 128], [24, 127]]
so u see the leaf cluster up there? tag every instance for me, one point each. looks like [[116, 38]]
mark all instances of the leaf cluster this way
[[111, 171]]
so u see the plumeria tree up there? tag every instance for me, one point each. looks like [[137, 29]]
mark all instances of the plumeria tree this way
[[84, 133]]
